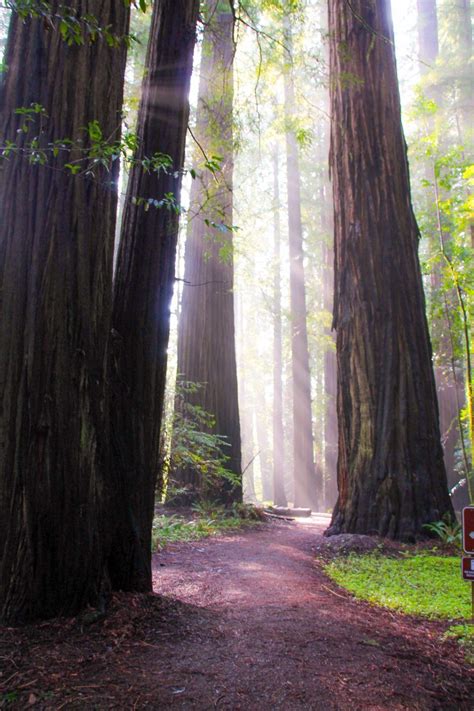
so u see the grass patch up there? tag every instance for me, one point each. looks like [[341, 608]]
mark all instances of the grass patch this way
[[428, 585], [178, 529]]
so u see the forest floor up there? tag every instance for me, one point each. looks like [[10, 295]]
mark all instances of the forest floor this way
[[246, 621]]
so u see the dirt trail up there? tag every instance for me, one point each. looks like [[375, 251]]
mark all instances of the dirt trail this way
[[268, 631], [244, 622]]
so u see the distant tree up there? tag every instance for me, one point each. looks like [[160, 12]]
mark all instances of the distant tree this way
[[427, 24], [279, 494], [463, 35], [307, 479], [56, 251], [246, 411], [448, 382], [144, 286], [454, 71], [206, 332], [330, 371], [391, 475], [440, 145], [266, 470]]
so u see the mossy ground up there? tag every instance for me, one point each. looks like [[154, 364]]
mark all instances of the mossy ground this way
[[420, 584]]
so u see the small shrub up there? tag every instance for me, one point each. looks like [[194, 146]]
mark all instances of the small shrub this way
[[196, 446], [209, 509], [248, 512], [448, 530], [210, 519]]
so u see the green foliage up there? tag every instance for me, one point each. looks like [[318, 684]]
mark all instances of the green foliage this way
[[9, 697], [195, 444], [445, 207], [348, 80], [213, 164], [74, 28], [209, 519], [208, 509], [91, 153], [168, 201], [248, 511], [428, 585], [447, 530], [88, 155]]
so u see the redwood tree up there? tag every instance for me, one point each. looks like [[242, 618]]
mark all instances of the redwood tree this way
[[56, 250], [330, 387], [144, 286], [206, 336], [279, 494], [391, 475], [427, 25], [307, 479], [449, 390]]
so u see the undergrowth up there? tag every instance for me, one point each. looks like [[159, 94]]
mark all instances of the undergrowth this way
[[207, 521], [421, 584]]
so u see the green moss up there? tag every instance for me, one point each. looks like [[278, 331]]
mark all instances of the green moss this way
[[427, 585]]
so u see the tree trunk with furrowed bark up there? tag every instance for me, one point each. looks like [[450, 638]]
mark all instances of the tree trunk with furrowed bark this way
[[391, 475], [144, 287], [206, 336], [56, 252]]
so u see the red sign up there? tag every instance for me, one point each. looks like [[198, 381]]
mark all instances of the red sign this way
[[468, 529], [468, 568]]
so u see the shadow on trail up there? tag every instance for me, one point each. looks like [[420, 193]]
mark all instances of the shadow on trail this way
[[280, 635], [245, 622]]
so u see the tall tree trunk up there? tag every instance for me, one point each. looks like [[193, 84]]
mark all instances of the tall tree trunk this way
[[457, 51], [427, 23], [246, 409], [262, 439], [279, 495], [446, 385], [56, 252], [330, 386], [143, 289], [307, 484], [206, 335], [391, 474], [465, 47]]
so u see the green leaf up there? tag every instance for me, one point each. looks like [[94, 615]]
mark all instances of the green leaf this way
[[74, 169]]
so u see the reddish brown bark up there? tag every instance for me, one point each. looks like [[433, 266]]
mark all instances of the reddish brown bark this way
[[56, 249], [206, 337], [143, 290], [391, 474]]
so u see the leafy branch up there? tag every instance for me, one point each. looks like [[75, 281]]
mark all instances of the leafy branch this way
[[93, 153], [75, 28]]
